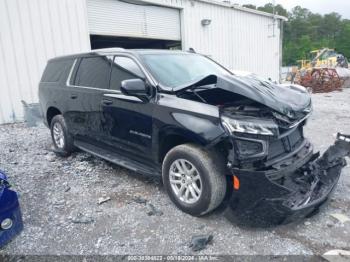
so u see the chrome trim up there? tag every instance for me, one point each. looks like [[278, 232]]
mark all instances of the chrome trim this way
[[133, 132], [288, 132], [71, 72], [86, 87], [148, 76], [123, 97], [100, 89], [299, 121], [296, 123]]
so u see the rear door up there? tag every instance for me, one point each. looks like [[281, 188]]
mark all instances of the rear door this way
[[126, 120], [87, 85]]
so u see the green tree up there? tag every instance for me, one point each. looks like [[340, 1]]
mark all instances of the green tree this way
[[342, 41], [306, 31], [305, 46], [315, 21], [270, 9], [250, 6]]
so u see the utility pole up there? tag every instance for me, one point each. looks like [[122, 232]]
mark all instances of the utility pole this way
[[274, 18]]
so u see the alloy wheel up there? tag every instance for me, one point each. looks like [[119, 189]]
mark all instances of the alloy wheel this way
[[185, 181], [58, 135]]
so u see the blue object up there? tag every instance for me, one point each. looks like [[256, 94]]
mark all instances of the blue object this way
[[10, 213]]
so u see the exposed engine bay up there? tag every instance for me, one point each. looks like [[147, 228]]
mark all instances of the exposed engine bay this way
[[251, 96], [259, 134]]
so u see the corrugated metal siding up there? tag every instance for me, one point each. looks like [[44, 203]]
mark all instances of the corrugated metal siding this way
[[239, 40], [31, 32], [242, 41], [111, 17]]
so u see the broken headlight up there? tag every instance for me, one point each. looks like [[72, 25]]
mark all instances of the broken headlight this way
[[250, 125], [248, 148]]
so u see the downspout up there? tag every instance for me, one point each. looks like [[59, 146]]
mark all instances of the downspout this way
[[281, 50]]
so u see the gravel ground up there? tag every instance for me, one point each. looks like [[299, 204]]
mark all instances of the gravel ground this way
[[59, 200]]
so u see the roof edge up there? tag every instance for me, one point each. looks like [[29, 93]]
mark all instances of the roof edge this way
[[258, 12], [216, 2], [244, 9]]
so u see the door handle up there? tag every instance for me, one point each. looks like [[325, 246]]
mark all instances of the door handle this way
[[107, 102], [74, 96]]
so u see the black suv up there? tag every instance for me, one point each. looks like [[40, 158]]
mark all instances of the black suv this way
[[182, 116]]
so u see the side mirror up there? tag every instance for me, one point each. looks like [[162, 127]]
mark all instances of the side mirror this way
[[135, 87]]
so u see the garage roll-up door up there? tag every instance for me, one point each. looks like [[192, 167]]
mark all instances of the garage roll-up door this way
[[117, 18]]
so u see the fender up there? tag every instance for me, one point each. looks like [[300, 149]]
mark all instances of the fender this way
[[194, 121]]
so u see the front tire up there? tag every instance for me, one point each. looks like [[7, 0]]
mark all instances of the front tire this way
[[61, 138], [194, 178]]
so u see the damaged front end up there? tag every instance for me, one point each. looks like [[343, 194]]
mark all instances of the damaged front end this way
[[295, 188], [277, 178]]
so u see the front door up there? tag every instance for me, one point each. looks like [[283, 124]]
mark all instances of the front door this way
[[126, 120]]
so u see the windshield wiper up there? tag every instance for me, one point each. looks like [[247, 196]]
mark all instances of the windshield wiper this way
[[193, 89], [200, 82], [197, 95]]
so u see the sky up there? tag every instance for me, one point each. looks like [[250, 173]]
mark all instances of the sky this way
[[316, 6]]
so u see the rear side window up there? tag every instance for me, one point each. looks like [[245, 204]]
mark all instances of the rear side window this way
[[54, 70], [94, 72]]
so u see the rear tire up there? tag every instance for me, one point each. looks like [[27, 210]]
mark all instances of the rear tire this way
[[61, 138], [194, 178]]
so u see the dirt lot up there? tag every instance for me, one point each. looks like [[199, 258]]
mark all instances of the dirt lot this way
[[59, 199]]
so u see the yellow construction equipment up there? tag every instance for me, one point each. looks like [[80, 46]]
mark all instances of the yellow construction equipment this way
[[325, 71], [325, 57]]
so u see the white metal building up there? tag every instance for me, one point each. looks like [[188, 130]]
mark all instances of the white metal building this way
[[33, 31]]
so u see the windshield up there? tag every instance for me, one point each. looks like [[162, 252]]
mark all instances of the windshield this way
[[173, 70]]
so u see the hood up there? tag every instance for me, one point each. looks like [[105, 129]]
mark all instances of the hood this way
[[290, 100]]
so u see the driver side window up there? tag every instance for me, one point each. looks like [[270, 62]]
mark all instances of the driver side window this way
[[124, 68]]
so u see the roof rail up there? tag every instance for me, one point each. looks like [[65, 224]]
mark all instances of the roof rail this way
[[111, 49], [191, 50]]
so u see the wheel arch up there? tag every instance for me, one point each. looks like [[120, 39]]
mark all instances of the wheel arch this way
[[51, 112], [171, 137]]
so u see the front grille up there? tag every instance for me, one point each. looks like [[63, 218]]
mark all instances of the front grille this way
[[286, 144]]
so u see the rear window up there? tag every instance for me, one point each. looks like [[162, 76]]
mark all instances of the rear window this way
[[54, 70], [94, 72]]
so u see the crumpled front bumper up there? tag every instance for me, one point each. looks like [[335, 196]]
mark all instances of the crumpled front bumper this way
[[295, 190], [9, 211]]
